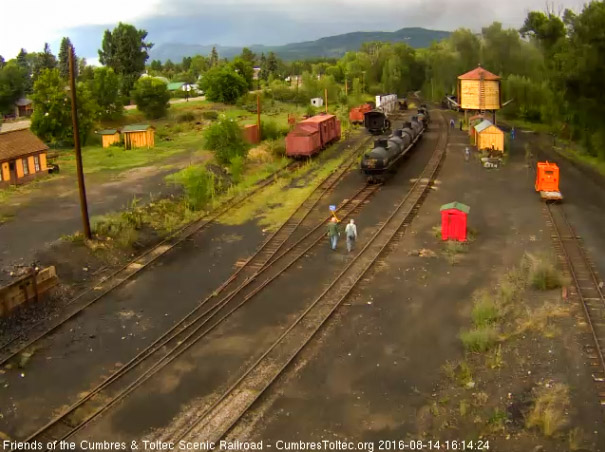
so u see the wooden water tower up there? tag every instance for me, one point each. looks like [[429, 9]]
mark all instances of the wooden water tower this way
[[479, 90]]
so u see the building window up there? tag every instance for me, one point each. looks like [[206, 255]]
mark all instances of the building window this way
[[37, 163], [25, 167]]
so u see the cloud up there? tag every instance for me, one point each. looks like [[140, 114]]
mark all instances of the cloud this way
[[244, 22]]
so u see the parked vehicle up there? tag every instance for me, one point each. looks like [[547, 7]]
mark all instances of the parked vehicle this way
[[312, 135]]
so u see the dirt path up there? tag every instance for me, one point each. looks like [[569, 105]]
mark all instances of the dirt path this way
[[53, 210]]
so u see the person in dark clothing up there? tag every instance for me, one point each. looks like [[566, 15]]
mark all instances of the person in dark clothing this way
[[461, 125]]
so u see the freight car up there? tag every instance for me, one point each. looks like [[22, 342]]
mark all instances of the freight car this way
[[387, 152], [312, 135], [356, 114]]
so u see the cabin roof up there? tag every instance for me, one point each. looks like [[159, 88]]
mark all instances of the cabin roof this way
[[136, 128], [483, 125], [17, 143], [476, 74], [107, 132]]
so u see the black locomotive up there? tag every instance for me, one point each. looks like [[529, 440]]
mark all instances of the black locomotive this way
[[388, 151], [376, 122]]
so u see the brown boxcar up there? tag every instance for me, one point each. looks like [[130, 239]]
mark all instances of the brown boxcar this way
[[356, 113], [312, 135]]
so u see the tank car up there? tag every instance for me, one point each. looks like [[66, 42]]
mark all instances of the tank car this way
[[376, 122], [388, 151]]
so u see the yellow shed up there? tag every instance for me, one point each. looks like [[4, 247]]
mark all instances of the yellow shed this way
[[139, 136], [109, 136], [22, 157], [488, 136], [479, 90]]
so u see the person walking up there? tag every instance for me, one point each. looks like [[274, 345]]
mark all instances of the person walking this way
[[461, 124], [452, 123], [351, 234], [333, 233], [512, 133], [467, 154]]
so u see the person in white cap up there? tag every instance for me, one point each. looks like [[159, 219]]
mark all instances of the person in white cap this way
[[351, 233]]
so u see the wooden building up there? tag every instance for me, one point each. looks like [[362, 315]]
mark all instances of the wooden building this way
[[109, 136], [139, 136], [22, 157], [479, 90], [24, 107], [488, 136]]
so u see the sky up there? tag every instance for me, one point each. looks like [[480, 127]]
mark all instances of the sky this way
[[242, 22]]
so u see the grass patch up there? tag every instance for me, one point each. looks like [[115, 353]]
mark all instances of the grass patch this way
[[544, 273], [494, 360], [479, 339], [548, 413], [5, 218], [452, 251], [485, 311]]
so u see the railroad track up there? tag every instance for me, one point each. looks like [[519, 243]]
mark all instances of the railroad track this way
[[587, 287], [243, 285], [17, 345], [212, 422]]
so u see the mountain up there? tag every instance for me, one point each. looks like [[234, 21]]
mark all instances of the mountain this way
[[331, 47]]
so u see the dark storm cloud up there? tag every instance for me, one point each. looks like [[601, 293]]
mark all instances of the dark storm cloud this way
[[248, 22]]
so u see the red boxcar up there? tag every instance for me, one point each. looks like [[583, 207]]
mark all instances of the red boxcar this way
[[312, 135], [356, 114]]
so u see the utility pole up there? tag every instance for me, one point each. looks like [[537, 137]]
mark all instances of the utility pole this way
[[326, 98], [258, 115], [76, 129]]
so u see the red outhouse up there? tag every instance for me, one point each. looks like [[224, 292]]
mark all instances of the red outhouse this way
[[454, 221]]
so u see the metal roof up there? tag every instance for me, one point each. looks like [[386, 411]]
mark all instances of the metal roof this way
[[476, 74], [107, 132], [18, 143], [136, 128], [482, 126], [175, 85], [456, 205], [23, 102]]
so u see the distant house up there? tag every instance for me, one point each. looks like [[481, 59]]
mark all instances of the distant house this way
[[109, 136], [176, 86], [139, 136], [22, 157], [24, 107]]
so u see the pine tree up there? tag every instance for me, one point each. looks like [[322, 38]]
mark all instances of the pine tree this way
[[213, 57], [64, 57]]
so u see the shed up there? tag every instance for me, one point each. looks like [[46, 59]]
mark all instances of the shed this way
[[24, 107], [317, 102], [479, 89], [175, 86], [454, 221], [139, 136], [22, 157], [488, 136], [109, 136]]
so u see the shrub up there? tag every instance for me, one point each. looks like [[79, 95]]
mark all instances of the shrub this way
[[151, 96], [479, 339], [277, 148], [225, 138], [199, 185], [223, 84], [270, 130], [236, 168], [210, 115]]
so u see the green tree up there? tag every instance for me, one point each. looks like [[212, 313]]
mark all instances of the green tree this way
[[2, 61], [248, 55], [264, 70], [199, 65], [13, 81], [125, 51], [105, 89], [223, 84], [64, 58], [186, 63], [51, 119], [156, 65], [245, 69], [213, 57], [151, 96], [44, 60], [84, 71]]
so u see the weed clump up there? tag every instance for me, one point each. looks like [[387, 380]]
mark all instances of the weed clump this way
[[548, 410], [210, 115], [479, 339], [485, 311], [186, 117], [199, 185], [543, 273], [270, 130]]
